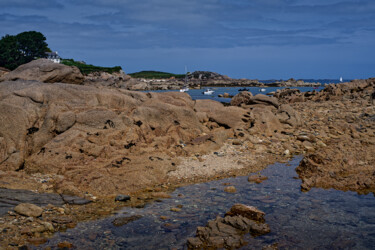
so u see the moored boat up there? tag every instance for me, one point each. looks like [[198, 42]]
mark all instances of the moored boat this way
[[208, 92]]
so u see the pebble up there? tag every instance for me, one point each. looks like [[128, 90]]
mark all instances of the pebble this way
[[122, 197], [28, 209], [37, 241], [230, 189], [175, 209], [65, 244]]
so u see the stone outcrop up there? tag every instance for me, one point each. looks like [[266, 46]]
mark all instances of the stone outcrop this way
[[104, 79], [344, 131], [294, 83], [265, 114], [44, 70], [246, 98], [107, 141], [207, 78], [356, 89], [227, 232]]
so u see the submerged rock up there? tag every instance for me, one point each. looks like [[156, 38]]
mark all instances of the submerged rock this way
[[227, 232], [257, 178], [120, 221], [230, 189]]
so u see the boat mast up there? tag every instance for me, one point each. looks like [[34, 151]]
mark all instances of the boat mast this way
[[186, 76]]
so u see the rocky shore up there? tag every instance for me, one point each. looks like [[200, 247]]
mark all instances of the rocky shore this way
[[98, 142], [60, 73]]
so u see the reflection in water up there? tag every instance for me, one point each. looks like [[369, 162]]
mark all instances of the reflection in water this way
[[319, 219]]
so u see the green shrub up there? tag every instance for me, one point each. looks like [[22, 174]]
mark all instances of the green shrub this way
[[88, 68], [155, 75]]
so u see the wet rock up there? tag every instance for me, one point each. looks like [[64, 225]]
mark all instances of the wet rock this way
[[120, 221], [249, 212], [226, 232], [65, 244], [194, 243], [257, 229], [230, 189], [37, 240], [257, 178], [27, 209], [122, 197], [175, 209]]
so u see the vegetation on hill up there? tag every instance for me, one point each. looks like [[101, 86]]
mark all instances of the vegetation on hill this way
[[22, 48], [88, 68], [155, 75]]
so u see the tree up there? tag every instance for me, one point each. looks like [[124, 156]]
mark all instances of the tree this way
[[22, 48], [10, 56]]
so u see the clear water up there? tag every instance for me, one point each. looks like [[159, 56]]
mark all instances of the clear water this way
[[198, 93], [318, 219]]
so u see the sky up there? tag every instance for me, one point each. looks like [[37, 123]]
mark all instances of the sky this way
[[255, 39]]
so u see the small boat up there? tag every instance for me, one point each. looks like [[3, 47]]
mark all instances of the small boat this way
[[262, 90], [184, 89], [208, 92], [244, 89], [341, 79]]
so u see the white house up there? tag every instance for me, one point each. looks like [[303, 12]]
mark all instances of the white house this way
[[53, 56]]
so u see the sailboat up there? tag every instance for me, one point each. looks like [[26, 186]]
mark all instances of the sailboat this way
[[341, 79], [185, 88]]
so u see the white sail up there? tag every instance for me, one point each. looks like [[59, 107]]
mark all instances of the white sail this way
[[340, 79]]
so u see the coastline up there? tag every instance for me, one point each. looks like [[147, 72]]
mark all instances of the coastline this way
[[99, 143]]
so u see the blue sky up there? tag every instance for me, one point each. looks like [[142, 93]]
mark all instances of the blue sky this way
[[260, 39]]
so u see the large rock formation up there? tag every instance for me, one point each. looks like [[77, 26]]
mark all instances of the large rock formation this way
[[91, 138], [207, 78], [341, 121], [102, 140], [44, 70]]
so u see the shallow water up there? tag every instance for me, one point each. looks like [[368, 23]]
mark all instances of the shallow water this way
[[318, 219], [197, 93]]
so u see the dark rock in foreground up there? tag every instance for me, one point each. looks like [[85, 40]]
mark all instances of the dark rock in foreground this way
[[227, 232]]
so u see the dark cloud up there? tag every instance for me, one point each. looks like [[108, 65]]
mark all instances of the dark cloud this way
[[85, 27], [31, 4]]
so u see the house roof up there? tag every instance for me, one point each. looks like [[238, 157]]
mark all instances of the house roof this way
[[52, 55]]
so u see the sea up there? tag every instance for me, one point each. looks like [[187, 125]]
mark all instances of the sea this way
[[197, 94]]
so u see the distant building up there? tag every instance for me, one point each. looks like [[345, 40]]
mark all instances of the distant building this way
[[53, 56]]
